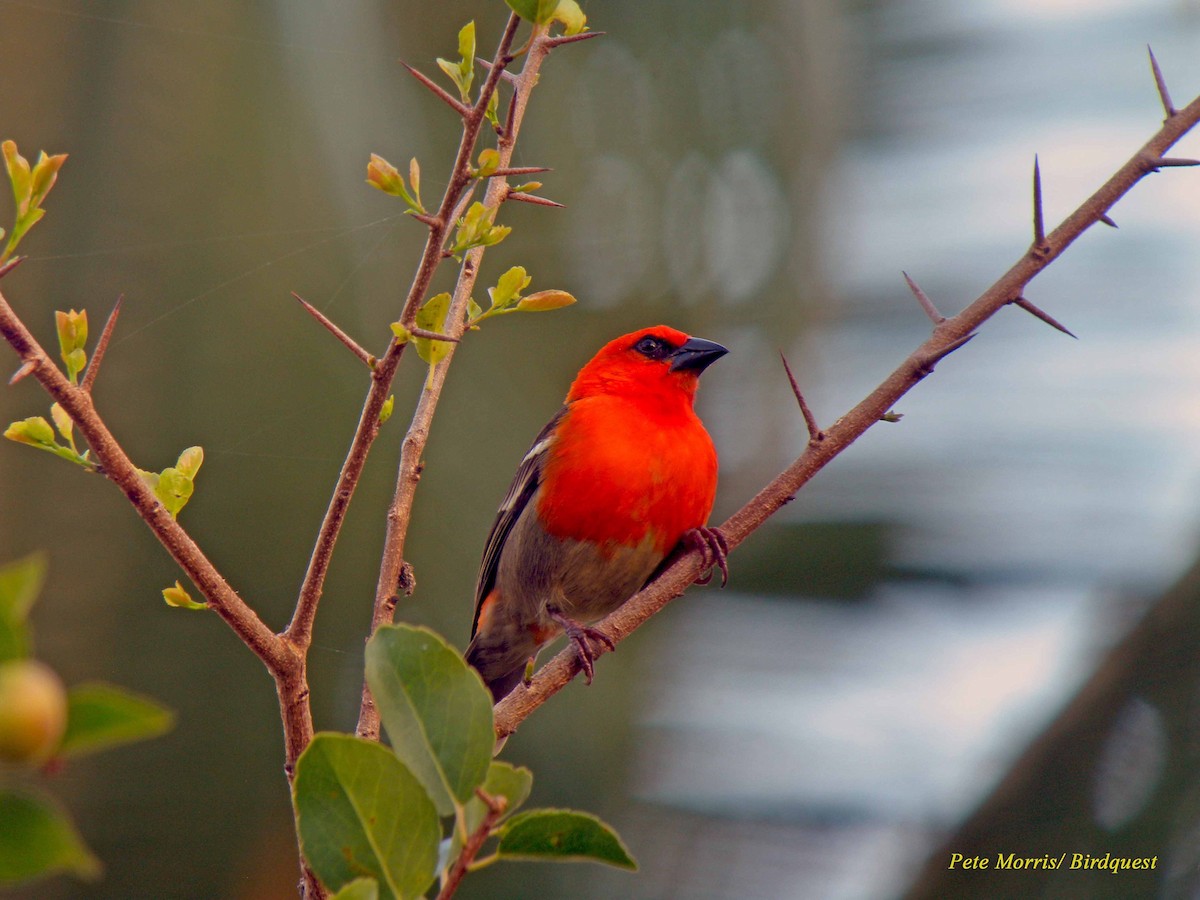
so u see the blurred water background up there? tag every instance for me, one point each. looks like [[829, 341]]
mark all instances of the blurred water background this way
[[756, 173]]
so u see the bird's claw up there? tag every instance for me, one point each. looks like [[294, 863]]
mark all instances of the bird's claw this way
[[714, 549], [582, 636]]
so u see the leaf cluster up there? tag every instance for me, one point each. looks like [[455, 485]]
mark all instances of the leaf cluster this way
[[371, 819]]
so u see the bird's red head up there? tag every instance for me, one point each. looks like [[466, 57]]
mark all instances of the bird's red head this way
[[654, 360]]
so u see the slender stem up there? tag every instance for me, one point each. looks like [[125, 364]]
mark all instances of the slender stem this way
[[950, 334], [409, 473], [299, 630], [278, 656], [475, 841]]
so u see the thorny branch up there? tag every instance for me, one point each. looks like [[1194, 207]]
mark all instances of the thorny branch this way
[[409, 473], [948, 335]]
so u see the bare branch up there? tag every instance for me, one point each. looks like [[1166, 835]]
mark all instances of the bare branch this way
[[438, 91], [117, 467], [810, 421], [953, 333], [1044, 316], [299, 630], [1161, 84], [93, 369], [413, 447], [926, 304]]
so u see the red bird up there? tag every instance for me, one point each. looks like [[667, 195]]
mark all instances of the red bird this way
[[621, 475]]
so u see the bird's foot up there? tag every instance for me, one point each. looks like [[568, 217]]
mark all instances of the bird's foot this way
[[582, 636], [714, 549]]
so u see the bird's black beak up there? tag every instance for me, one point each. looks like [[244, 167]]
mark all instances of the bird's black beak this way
[[696, 354]]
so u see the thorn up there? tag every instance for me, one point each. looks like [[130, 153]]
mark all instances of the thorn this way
[[1168, 162], [93, 369], [520, 170], [1161, 84], [810, 421], [26, 367], [1044, 316], [457, 105], [348, 341], [923, 299], [1039, 225], [1107, 221], [522, 197], [431, 221], [573, 38], [10, 265], [431, 335], [504, 73], [925, 367]]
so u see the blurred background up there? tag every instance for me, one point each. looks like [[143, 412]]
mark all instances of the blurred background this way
[[889, 676]]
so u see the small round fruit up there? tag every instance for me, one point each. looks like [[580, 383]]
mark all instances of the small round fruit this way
[[33, 711]]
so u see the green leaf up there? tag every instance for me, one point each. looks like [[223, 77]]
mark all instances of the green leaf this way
[[385, 412], [437, 713], [359, 889], [63, 422], [20, 583], [45, 173], [35, 431], [489, 162], [178, 596], [361, 812], [543, 12], [100, 716], [508, 287], [562, 835], [545, 300], [190, 461], [39, 839], [18, 176], [173, 490], [432, 317]]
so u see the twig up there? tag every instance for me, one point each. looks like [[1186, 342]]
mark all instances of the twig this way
[[269, 647], [413, 447], [93, 369], [438, 91], [475, 841], [299, 630], [349, 342], [810, 421], [559, 670]]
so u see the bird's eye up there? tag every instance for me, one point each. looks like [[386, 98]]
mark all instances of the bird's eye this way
[[653, 347]]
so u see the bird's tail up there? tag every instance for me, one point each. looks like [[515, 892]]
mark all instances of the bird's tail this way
[[495, 665]]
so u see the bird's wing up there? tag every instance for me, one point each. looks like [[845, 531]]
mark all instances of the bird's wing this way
[[523, 487]]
